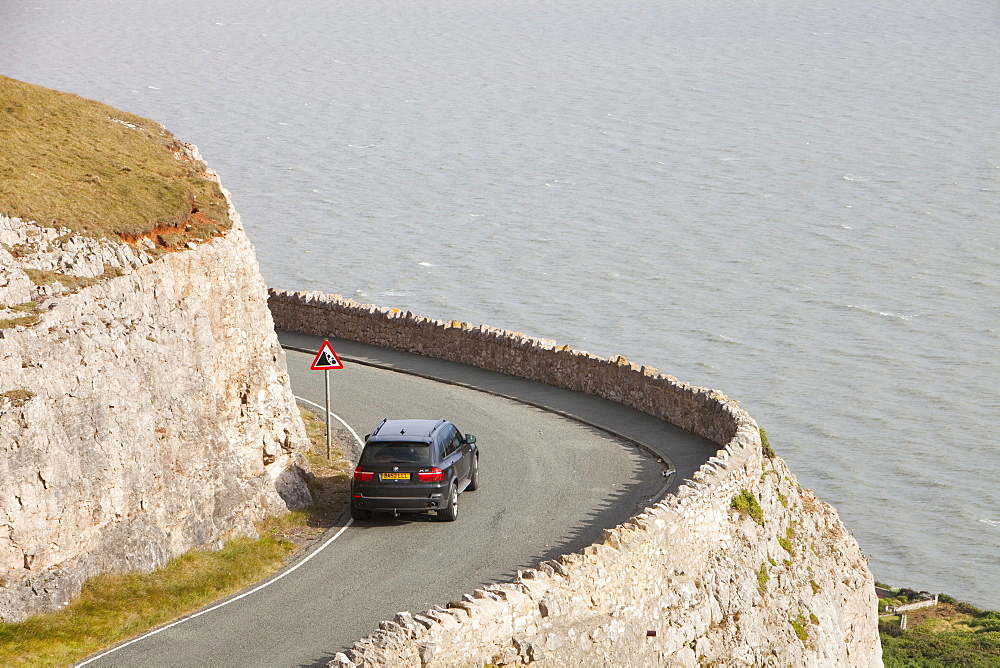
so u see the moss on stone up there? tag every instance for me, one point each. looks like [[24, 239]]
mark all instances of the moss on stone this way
[[800, 628], [171, 239], [20, 321], [762, 579], [786, 541], [18, 397]]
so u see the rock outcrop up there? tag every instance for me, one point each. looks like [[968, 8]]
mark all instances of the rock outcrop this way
[[145, 407]]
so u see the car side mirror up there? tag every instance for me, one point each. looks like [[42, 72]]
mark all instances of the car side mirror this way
[[469, 438]]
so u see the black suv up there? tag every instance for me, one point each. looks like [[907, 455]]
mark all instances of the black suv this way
[[414, 466]]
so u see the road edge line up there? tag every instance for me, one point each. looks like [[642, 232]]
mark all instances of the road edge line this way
[[333, 415], [268, 583], [291, 569]]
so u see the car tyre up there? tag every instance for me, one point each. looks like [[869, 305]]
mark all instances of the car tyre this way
[[360, 513], [450, 512], [474, 478]]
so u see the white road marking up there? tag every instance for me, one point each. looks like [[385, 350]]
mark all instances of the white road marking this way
[[338, 418], [255, 589]]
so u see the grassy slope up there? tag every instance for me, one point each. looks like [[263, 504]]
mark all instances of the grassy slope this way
[[70, 162], [949, 634]]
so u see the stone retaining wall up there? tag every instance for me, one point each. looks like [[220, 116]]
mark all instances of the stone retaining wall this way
[[691, 581], [699, 410]]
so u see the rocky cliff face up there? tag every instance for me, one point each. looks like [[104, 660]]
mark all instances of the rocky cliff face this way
[[145, 407]]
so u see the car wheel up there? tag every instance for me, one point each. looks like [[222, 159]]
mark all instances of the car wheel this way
[[360, 513], [450, 512], [474, 478]]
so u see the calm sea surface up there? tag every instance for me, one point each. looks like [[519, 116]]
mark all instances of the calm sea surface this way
[[795, 203]]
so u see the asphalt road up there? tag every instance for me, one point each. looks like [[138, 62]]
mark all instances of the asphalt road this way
[[548, 485]]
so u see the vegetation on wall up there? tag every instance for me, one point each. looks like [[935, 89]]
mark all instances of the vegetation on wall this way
[[786, 541], [799, 624], [762, 579], [746, 503], [18, 397], [765, 445]]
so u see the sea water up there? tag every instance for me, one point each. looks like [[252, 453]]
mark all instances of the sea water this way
[[794, 203]]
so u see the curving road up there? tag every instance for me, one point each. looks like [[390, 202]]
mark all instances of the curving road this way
[[549, 485]]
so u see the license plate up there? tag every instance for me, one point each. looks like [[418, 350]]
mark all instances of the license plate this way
[[395, 476]]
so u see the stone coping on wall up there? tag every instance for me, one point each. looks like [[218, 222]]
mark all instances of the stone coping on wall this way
[[706, 412]]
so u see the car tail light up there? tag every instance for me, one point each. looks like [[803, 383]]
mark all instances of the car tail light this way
[[363, 476], [434, 475]]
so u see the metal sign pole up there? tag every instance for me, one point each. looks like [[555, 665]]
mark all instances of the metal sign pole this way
[[328, 428], [325, 360]]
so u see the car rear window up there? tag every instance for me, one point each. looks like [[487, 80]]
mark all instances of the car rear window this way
[[396, 453]]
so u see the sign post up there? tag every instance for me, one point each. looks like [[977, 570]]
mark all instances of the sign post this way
[[329, 425], [325, 360]]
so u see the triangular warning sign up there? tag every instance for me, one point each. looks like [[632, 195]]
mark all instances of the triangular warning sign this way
[[326, 358]]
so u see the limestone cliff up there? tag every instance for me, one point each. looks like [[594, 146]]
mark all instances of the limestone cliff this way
[[145, 406]]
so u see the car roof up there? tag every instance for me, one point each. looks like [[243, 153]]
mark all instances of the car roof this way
[[417, 431]]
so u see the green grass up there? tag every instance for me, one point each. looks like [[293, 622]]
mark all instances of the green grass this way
[[331, 481], [73, 283], [113, 608], [941, 649], [951, 633], [19, 321], [76, 163], [746, 503], [26, 307], [31, 317]]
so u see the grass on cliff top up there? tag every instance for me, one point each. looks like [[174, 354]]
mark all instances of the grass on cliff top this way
[[113, 608], [76, 163]]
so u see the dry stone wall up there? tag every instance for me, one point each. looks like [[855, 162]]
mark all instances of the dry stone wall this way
[[775, 581], [143, 414]]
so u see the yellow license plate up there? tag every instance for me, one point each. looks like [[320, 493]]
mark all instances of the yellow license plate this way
[[395, 476]]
